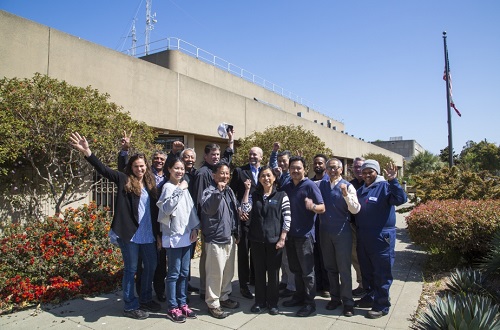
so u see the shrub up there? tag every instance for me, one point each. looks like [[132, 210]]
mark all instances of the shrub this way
[[472, 312], [455, 184], [467, 281], [58, 258], [461, 226]]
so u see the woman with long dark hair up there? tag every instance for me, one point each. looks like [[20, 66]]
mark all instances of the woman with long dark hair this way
[[135, 224], [269, 223]]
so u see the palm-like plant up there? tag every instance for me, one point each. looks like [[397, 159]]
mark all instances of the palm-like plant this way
[[462, 311], [424, 162]]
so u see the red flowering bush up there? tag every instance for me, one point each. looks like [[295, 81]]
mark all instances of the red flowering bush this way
[[58, 258], [459, 226]]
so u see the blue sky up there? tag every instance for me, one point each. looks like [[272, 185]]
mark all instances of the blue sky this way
[[375, 65]]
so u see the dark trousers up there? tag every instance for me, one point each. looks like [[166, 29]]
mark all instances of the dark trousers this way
[[245, 266], [322, 280], [376, 258], [159, 276], [267, 263], [337, 258], [300, 252]]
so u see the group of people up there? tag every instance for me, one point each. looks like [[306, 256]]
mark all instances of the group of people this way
[[273, 216]]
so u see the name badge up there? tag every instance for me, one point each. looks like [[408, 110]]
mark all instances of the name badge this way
[[372, 199], [273, 202]]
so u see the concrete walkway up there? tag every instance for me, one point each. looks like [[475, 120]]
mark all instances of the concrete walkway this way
[[105, 311]]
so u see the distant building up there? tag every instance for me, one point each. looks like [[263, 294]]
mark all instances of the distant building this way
[[406, 148]]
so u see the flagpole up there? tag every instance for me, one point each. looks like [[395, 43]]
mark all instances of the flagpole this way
[[447, 74]]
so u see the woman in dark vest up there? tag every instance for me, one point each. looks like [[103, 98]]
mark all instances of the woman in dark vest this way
[[135, 224], [269, 222]]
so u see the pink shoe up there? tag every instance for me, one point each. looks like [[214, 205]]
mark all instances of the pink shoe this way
[[175, 314], [187, 312]]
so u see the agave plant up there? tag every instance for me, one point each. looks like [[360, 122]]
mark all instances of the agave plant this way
[[467, 281], [491, 263], [461, 311]]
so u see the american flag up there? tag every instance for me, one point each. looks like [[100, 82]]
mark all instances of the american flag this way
[[452, 104]]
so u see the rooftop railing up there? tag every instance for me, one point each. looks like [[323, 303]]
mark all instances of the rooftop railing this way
[[173, 43]]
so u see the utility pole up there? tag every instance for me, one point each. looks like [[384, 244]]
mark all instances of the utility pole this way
[[150, 21]]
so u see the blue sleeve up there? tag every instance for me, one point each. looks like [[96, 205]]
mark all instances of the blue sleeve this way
[[316, 194], [273, 159], [396, 194]]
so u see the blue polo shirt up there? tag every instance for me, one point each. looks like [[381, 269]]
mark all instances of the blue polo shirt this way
[[302, 224]]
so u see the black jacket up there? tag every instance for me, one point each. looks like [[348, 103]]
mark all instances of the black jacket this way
[[240, 175], [125, 219], [266, 219]]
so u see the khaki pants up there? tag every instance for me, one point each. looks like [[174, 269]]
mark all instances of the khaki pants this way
[[219, 271]]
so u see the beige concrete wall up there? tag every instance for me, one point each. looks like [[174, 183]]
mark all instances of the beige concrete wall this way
[[189, 98]]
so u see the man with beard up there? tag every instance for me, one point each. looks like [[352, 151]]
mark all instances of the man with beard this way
[[322, 282], [357, 183], [250, 172], [202, 180]]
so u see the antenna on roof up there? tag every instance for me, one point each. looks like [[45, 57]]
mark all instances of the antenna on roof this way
[[150, 21], [134, 38]]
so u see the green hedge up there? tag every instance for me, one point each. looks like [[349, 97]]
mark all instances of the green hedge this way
[[459, 226]]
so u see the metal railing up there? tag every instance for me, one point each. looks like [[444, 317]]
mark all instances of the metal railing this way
[[174, 43]]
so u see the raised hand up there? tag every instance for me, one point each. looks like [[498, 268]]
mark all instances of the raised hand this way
[[248, 184], [276, 146], [80, 143], [391, 171], [177, 146], [221, 185], [343, 188], [125, 141]]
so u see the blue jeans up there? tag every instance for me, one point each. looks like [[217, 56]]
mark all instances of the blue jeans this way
[[130, 252], [178, 260]]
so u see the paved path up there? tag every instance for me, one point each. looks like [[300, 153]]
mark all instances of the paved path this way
[[105, 311]]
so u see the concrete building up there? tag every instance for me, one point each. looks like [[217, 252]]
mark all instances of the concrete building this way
[[181, 96], [407, 148]]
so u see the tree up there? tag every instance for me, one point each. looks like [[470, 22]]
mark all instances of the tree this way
[[382, 159], [36, 162], [293, 138], [480, 156], [424, 162], [444, 154]]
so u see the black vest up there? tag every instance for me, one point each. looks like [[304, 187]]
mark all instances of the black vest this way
[[266, 220]]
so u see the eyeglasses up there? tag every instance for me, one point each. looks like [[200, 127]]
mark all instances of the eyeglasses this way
[[332, 168]]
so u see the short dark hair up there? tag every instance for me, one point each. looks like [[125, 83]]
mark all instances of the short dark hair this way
[[320, 155], [220, 164], [298, 159], [211, 146], [285, 153]]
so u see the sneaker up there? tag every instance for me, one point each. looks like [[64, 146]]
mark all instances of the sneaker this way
[[136, 314], [358, 292], [286, 293], [376, 314], [193, 289], [175, 314], [218, 313], [333, 304], [151, 306], [365, 302], [324, 294], [188, 312], [229, 303]]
